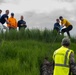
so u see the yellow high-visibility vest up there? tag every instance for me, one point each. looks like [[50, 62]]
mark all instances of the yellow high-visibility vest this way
[[61, 59]]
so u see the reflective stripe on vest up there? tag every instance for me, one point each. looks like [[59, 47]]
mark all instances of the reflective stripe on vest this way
[[65, 60]]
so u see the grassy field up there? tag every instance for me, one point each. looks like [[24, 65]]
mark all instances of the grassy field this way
[[22, 53]]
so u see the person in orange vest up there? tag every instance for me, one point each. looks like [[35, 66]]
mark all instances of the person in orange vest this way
[[65, 23], [12, 21], [63, 58]]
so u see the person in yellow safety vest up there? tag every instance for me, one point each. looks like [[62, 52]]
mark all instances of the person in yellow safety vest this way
[[63, 58]]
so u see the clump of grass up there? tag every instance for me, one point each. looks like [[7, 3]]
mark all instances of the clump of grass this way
[[34, 34], [22, 57]]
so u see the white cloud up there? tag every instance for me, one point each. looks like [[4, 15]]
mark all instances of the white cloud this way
[[44, 5], [19, 6], [1, 0], [65, 0], [9, 1]]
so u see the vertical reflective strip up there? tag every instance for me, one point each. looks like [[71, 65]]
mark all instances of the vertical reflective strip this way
[[66, 57]]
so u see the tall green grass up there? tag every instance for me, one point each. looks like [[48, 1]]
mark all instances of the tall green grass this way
[[23, 57], [34, 34], [22, 53]]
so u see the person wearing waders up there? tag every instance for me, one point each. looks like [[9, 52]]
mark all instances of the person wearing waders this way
[[63, 58]]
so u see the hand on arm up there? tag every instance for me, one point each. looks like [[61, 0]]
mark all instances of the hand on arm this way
[[62, 25], [7, 21]]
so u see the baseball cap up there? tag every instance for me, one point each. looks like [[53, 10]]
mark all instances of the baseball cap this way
[[12, 13]]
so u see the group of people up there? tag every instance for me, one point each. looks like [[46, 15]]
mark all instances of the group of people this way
[[63, 58], [63, 25], [11, 21]]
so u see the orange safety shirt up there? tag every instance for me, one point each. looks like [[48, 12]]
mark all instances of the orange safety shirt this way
[[13, 22]]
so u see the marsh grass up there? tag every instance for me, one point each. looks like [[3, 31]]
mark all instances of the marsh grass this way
[[22, 53]]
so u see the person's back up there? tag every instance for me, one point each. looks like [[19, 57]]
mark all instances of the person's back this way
[[62, 59]]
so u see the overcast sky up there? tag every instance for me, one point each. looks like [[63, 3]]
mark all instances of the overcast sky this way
[[42, 13], [40, 6]]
